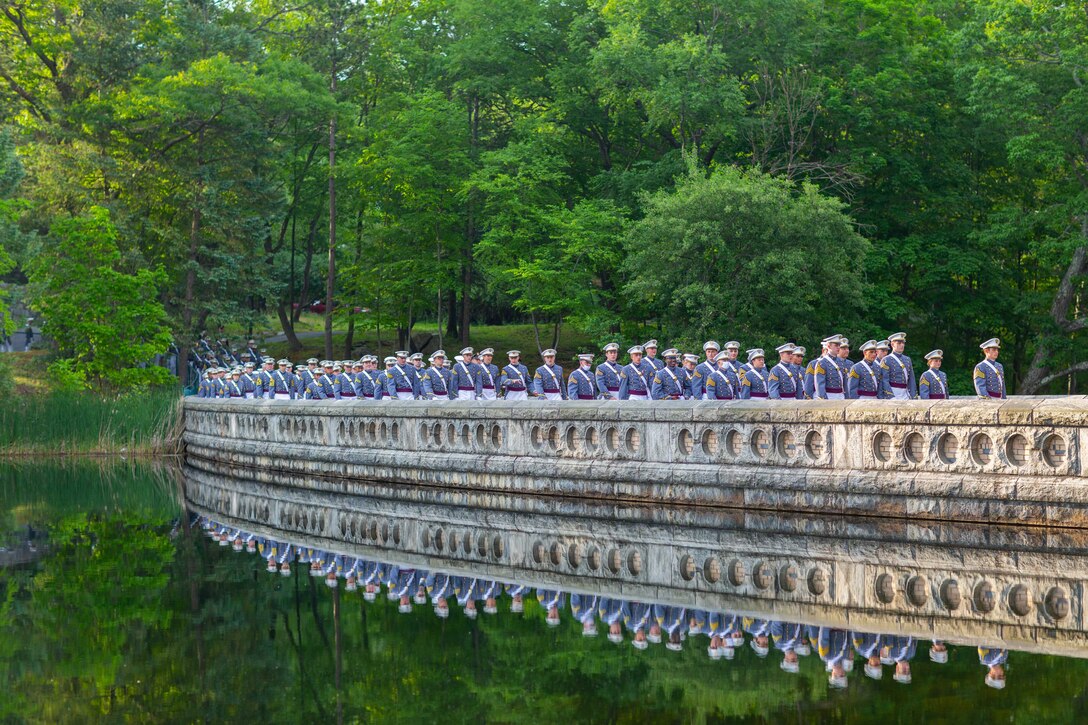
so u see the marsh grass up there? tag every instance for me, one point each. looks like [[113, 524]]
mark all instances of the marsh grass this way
[[85, 424]]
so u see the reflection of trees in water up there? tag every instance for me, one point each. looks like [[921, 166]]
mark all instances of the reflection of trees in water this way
[[122, 621]]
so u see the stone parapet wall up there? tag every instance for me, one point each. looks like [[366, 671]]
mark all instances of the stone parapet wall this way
[[971, 460]]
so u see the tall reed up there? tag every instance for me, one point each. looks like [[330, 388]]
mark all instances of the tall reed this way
[[64, 424]]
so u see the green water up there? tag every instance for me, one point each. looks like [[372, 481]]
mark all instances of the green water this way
[[122, 614]]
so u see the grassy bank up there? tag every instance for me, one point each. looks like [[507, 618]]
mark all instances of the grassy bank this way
[[55, 424]]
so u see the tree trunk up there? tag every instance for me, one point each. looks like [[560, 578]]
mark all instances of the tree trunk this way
[[1038, 374], [330, 279], [288, 326], [451, 316], [311, 236]]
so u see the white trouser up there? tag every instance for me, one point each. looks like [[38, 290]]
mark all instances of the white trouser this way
[[283, 396], [517, 395], [553, 396], [637, 396], [405, 395], [900, 394], [249, 394], [836, 396], [466, 395], [487, 394], [440, 399]]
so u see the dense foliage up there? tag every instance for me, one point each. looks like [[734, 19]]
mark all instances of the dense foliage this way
[[489, 161]]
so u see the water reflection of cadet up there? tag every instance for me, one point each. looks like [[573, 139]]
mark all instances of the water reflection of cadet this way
[[639, 621], [869, 647], [608, 373], [438, 588], [701, 621], [517, 594], [673, 622], [994, 660], [938, 652], [552, 601], [464, 589], [833, 646], [786, 638], [612, 612], [514, 378], [899, 650], [760, 629], [583, 607], [371, 580], [490, 590]]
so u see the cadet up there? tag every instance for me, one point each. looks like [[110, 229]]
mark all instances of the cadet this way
[[411, 372], [704, 370], [863, 380], [548, 379], [514, 378], [784, 383], [634, 383], [313, 390], [251, 350], [234, 389], [357, 374], [882, 349], [263, 386], [464, 378], [732, 367], [306, 374], [845, 363], [687, 373], [798, 362], [650, 348], [436, 380], [608, 372], [203, 388], [667, 384], [347, 380], [933, 385], [399, 383], [755, 380], [247, 383], [898, 370], [376, 376], [487, 375], [283, 382], [989, 374], [719, 386], [416, 361], [581, 384], [329, 380], [827, 378]]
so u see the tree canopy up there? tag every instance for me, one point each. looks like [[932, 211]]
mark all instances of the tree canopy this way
[[460, 162]]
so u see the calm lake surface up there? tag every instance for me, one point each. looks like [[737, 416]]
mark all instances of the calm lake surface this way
[[117, 606]]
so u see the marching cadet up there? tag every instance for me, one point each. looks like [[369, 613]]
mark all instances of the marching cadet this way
[[732, 367], [898, 370], [247, 383], [667, 384], [994, 660], [688, 362], [704, 370], [989, 376], [306, 374], [370, 382], [263, 386], [283, 382], [608, 373], [251, 350], [313, 390], [548, 378], [650, 349], [234, 388], [755, 380], [514, 378], [437, 380], [331, 384], [634, 382], [399, 383], [203, 388], [863, 381], [719, 385], [464, 379], [487, 375], [882, 349], [827, 378], [357, 374], [581, 385], [783, 381], [933, 385], [347, 380], [410, 371], [416, 361], [845, 363]]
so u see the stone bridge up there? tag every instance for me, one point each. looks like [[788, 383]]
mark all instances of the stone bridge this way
[[1015, 461]]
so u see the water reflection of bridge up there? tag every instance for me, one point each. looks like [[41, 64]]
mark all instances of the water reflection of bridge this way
[[1018, 588]]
